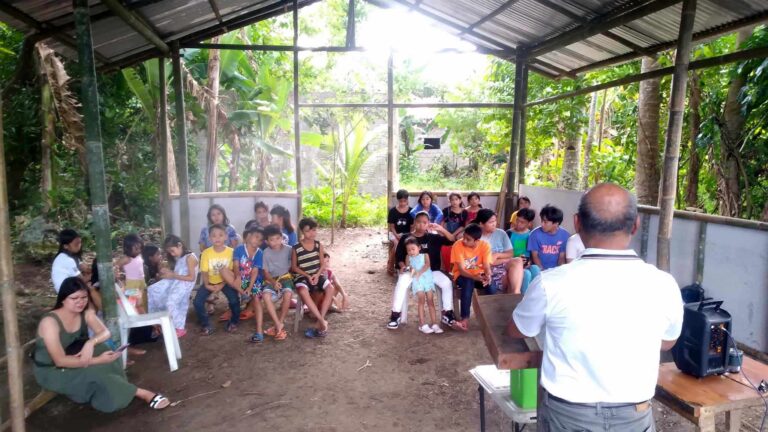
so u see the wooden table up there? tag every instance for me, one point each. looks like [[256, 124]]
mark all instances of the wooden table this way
[[700, 399], [493, 312]]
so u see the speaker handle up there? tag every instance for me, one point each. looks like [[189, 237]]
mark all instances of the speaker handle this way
[[710, 304]]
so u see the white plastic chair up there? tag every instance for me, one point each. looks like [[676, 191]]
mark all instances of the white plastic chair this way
[[129, 319], [438, 304]]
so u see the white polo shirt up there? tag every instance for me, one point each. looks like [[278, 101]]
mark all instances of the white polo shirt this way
[[605, 315], [63, 266]]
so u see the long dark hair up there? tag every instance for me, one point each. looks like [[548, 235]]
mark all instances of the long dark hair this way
[[129, 244], [147, 252], [283, 212], [67, 236], [70, 286], [174, 240], [218, 207], [431, 198]]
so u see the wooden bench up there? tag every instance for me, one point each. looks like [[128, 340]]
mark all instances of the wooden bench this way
[[701, 399]]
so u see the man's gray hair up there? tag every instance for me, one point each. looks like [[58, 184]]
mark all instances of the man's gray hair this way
[[594, 223]]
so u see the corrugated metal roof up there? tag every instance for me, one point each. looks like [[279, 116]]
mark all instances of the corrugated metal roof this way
[[498, 26], [521, 24]]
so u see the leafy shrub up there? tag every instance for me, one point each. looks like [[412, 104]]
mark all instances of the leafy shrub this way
[[363, 211]]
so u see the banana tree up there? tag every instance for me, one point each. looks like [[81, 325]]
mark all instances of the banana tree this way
[[350, 145]]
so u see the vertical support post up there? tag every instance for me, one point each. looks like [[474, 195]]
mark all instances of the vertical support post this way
[[89, 95], [645, 226], [390, 126], [517, 114], [351, 24], [296, 122], [162, 130], [10, 320], [523, 125], [674, 133], [182, 165]]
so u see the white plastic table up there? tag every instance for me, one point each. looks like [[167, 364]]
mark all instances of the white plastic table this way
[[495, 382]]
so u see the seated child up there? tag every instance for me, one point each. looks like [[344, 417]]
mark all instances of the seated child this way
[[518, 235], [172, 291], [547, 242], [249, 260], [152, 257], [473, 199], [308, 269], [132, 266], [427, 204], [278, 282], [422, 284], [399, 222], [471, 258], [454, 219], [217, 257], [341, 300], [282, 218], [522, 202]]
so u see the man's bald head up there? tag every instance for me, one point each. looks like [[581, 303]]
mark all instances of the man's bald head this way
[[607, 209]]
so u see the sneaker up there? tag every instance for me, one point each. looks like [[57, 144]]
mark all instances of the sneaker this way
[[426, 329], [449, 318], [436, 329], [394, 321]]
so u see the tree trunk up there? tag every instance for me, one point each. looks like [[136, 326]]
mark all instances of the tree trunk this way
[[729, 192], [211, 161], [569, 175], [46, 144], [591, 129], [694, 162], [647, 171], [234, 172]]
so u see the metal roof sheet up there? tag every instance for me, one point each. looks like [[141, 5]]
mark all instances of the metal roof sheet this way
[[498, 26]]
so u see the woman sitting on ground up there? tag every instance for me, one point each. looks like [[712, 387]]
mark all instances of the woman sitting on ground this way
[[85, 370]]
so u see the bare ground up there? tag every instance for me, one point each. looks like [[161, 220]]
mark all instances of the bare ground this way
[[415, 382]]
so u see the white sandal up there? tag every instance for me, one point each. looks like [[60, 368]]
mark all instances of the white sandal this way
[[157, 400]]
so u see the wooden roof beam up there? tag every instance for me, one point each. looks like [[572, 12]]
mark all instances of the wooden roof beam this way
[[137, 25], [217, 12], [45, 30], [506, 5], [596, 26], [581, 20]]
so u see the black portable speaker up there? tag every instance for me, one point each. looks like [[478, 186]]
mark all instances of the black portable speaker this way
[[702, 348]]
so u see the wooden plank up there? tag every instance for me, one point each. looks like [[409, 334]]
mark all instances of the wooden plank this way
[[36, 403], [694, 397], [493, 312]]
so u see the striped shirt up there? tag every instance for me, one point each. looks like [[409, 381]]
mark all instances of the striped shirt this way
[[308, 259]]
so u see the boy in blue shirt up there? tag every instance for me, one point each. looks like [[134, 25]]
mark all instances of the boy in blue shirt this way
[[519, 235], [547, 242]]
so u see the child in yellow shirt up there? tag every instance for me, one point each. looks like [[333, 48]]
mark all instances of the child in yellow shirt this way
[[212, 261]]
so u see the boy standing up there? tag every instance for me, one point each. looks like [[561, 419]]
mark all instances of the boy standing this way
[[547, 242], [308, 268], [212, 261], [399, 222], [471, 259], [278, 282]]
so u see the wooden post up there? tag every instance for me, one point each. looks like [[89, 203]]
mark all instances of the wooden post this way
[[514, 148], [89, 96], [296, 122], [162, 128], [10, 323], [351, 24], [182, 165], [674, 132], [390, 126], [523, 125]]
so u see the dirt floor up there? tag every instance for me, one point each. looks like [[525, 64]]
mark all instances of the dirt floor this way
[[413, 382]]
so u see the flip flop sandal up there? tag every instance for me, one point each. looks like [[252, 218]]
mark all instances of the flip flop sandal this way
[[311, 333], [281, 335], [244, 316], [226, 316], [272, 331], [206, 331], [257, 338], [231, 328], [157, 401], [321, 333]]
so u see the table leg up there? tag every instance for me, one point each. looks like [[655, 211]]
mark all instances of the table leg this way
[[706, 423], [482, 407], [733, 420]]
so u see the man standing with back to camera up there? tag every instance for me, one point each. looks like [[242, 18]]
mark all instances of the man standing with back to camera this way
[[605, 317]]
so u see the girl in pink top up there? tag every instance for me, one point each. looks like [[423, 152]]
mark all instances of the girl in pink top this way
[[132, 265]]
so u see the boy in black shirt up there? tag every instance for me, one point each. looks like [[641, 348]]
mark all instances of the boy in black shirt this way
[[431, 245], [399, 222]]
